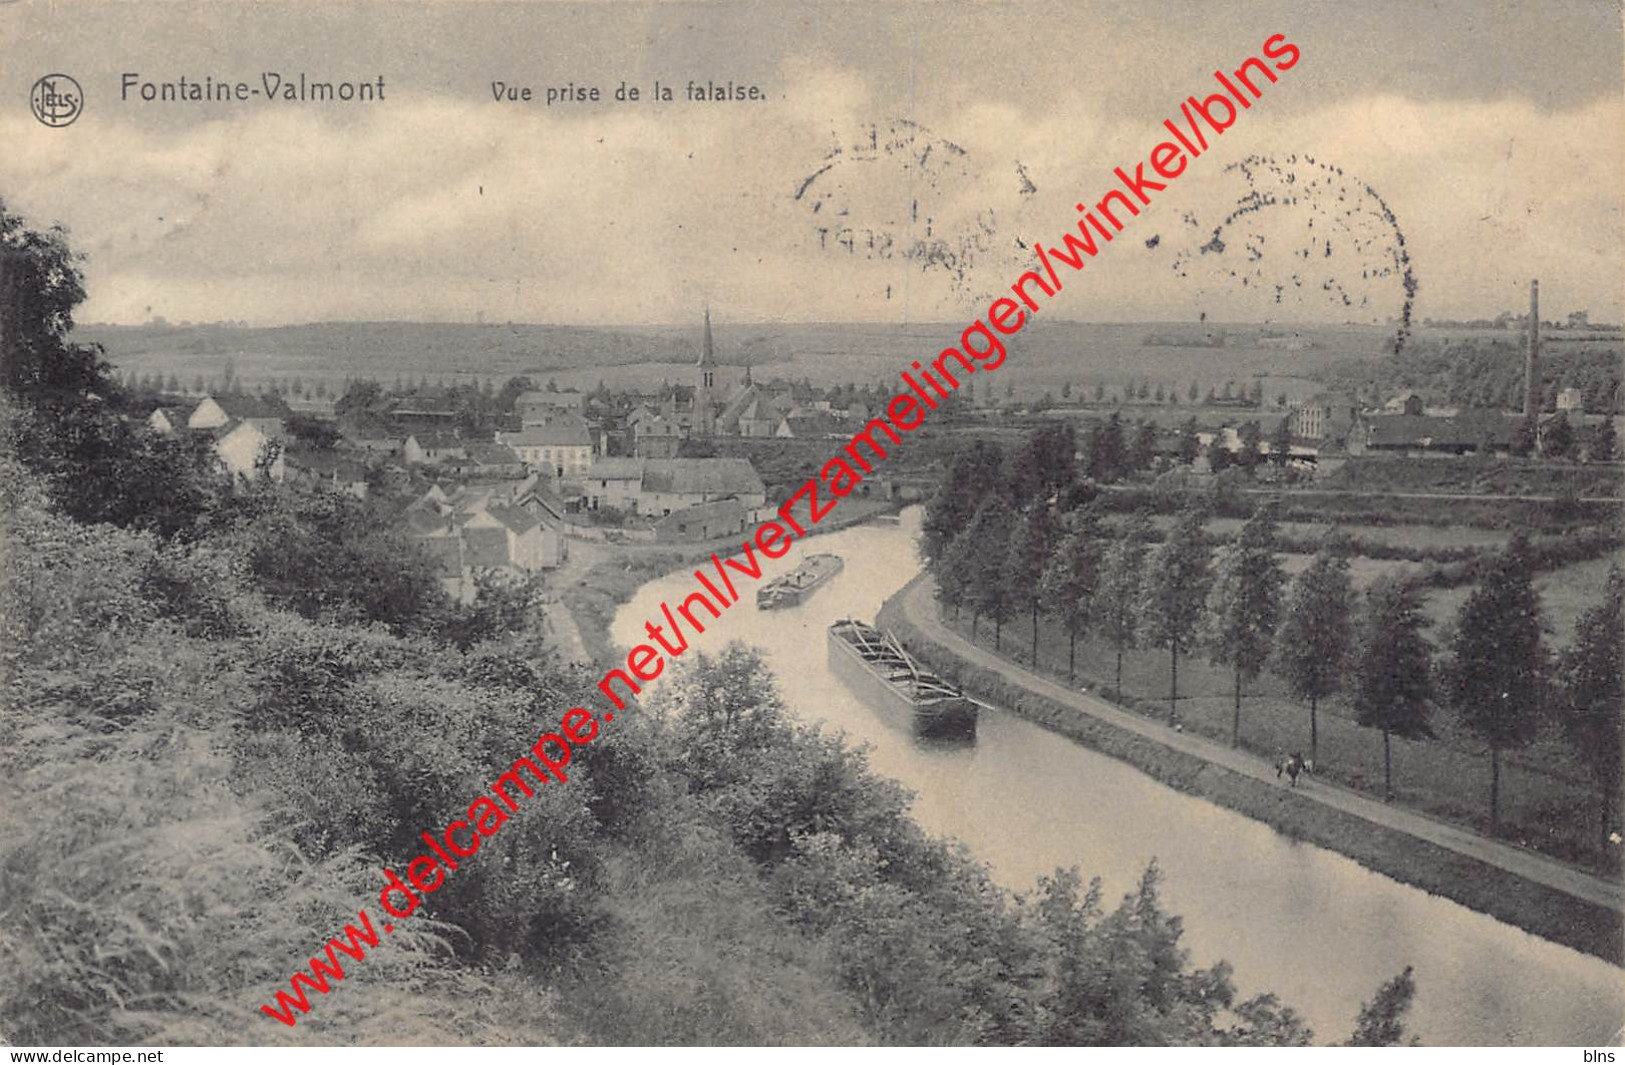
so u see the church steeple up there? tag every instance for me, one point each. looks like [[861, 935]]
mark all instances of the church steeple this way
[[707, 355], [702, 392]]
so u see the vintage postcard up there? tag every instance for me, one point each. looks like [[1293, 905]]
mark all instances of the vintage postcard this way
[[752, 523]]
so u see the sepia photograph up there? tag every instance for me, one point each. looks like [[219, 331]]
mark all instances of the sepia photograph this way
[[758, 523]]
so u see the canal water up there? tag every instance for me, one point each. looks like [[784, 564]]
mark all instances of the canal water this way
[[1314, 927]]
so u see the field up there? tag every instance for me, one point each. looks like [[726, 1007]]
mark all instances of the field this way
[[1044, 356], [1564, 595], [1546, 801]]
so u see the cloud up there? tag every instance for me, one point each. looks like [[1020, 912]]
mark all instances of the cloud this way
[[434, 207]]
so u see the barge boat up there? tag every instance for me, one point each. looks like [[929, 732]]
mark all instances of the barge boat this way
[[873, 663], [794, 587]]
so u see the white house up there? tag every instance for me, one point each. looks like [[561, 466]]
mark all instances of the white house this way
[[563, 448], [240, 447]]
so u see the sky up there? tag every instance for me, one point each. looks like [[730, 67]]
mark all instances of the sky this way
[[900, 165]]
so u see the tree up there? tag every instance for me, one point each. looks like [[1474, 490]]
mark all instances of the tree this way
[[1143, 451], [1193, 393], [1558, 441], [1175, 592], [1281, 442], [1046, 463], [952, 574], [1251, 436], [989, 590], [1602, 447], [1117, 602], [1031, 545], [1494, 677], [1108, 452], [1067, 588], [319, 434], [1066, 389], [1393, 685], [1591, 701], [974, 473], [1244, 605], [1190, 445], [1382, 1021], [1100, 392], [1312, 644], [1528, 437]]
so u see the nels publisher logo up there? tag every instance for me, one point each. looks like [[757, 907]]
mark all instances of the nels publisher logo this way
[[56, 100]]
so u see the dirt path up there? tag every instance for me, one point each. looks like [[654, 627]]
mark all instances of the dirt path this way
[[920, 608]]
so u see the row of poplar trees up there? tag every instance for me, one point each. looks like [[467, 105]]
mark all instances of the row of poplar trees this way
[[1003, 558]]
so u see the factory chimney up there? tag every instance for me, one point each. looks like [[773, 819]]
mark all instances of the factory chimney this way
[[1531, 357]]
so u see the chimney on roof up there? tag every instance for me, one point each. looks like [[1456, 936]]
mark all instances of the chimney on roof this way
[[1531, 357]]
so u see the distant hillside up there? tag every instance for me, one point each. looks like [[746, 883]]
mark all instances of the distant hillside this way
[[1046, 353], [1485, 369]]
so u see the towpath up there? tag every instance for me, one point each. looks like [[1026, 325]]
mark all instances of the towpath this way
[[920, 607]]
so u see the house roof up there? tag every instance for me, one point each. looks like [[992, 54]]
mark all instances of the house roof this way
[[447, 553], [538, 397], [1468, 429], [719, 476], [516, 519], [812, 423], [438, 441], [327, 463], [731, 509], [570, 433], [244, 406], [491, 454], [617, 469], [425, 522], [486, 547]]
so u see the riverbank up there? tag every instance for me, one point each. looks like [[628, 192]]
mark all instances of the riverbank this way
[[594, 583], [1521, 889]]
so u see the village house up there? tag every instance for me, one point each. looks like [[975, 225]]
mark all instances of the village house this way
[[489, 459], [333, 470], [562, 448], [657, 436], [803, 424], [432, 447], [241, 448], [672, 484], [482, 529], [242, 441], [168, 419], [542, 408], [752, 412], [323, 408], [658, 487], [266, 412], [1326, 419], [706, 521], [613, 484], [1425, 435], [374, 441]]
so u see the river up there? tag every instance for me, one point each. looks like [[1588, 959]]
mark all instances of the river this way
[[1311, 925]]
